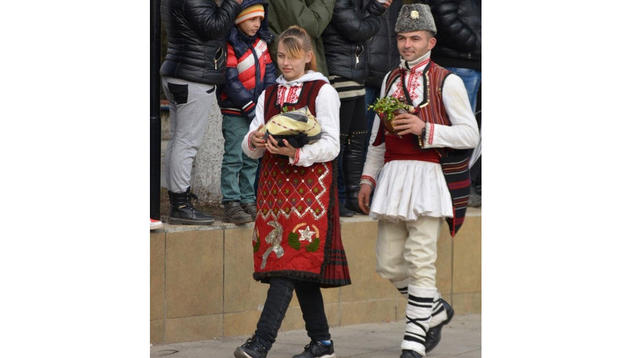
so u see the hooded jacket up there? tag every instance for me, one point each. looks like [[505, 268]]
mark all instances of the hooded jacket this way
[[353, 23], [458, 33], [312, 15], [196, 33], [249, 68]]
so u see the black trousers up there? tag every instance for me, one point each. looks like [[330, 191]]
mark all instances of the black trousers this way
[[279, 296], [353, 133]]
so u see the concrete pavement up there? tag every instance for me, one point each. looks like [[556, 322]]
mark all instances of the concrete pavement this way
[[461, 338]]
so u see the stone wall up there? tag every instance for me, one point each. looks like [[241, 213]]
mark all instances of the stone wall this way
[[202, 286]]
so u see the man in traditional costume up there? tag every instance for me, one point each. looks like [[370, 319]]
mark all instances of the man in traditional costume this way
[[423, 176]]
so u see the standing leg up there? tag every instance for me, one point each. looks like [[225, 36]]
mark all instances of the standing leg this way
[[313, 308], [355, 154], [274, 309], [420, 254]]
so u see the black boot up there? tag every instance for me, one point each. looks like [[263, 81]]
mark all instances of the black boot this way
[[340, 179], [434, 333], [353, 164], [182, 211]]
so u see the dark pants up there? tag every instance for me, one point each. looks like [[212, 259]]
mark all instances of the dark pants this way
[[279, 296], [353, 133]]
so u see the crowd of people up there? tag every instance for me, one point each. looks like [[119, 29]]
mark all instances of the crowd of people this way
[[293, 80]]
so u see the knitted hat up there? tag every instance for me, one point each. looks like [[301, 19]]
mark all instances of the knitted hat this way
[[250, 12], [415, 17]]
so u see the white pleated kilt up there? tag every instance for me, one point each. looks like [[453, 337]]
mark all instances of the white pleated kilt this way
[[407, 189]]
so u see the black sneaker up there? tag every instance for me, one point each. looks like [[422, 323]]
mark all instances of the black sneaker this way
[[406, 353], [182, 211], [434, 333], [251, 349], [317, 350], [233, 213]]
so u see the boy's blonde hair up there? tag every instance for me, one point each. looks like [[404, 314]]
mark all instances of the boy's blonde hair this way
[[296, 40]]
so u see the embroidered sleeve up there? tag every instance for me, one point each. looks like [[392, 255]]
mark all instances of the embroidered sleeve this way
[[463, 133]]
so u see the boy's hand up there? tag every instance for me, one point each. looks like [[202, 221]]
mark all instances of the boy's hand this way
[[273, 147], [363, 197], [257, 140]]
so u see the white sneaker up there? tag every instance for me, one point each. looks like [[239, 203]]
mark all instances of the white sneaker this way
[[155, 224]]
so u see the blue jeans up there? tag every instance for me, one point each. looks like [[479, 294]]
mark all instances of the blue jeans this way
[[472, 80], [238, 170]]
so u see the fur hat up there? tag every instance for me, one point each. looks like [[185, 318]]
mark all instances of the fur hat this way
[[415, 17]]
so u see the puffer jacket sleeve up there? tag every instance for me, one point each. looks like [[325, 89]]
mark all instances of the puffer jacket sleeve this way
[[453, 25], [356, 25], [209, 21]]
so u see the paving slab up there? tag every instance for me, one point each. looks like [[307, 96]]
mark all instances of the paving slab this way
[[460, 339]]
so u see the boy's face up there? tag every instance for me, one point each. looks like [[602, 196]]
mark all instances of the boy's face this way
[[250, 26]]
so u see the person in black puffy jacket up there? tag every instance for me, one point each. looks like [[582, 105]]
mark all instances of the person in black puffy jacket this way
[[193, 66], [352, 24], [459, 51]]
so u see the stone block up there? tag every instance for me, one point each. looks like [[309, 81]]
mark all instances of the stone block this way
[[359, 241], [157, 276], [241, 323], [241, 291], [465, 303], [384, 310], [157, 331], [467, 257], [196, 328], [194, 273]]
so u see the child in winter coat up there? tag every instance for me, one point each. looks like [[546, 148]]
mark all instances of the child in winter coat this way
[[249, 69], [296, 239]]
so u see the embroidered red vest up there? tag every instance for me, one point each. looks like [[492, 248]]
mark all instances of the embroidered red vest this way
[[292, 203]]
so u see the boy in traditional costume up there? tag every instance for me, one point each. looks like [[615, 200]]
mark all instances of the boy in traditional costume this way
[[423, 176]]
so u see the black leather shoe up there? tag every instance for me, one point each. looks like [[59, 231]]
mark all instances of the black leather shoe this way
[[250, 208], [253, 348], [317, 350], [182, 211], [234, 213], [434, 333], [406, 353]]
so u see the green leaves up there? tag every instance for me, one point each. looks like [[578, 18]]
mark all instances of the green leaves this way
[[292, 240], [386, 106], [313, 246]]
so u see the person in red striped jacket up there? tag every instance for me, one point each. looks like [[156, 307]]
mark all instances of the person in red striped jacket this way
[[249, 70]]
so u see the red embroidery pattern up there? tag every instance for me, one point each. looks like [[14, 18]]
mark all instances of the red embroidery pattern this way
[[284, 96]]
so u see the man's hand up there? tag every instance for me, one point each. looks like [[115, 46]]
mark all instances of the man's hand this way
[[238, 1], [363, 197], [257, 140], [406, 123], [273, 147]]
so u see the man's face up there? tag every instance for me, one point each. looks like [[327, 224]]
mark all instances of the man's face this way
[[412, 45]]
